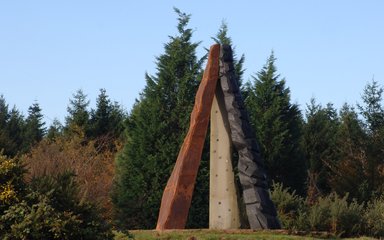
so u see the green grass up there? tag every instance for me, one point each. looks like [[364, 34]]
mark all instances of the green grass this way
[[205, 234]]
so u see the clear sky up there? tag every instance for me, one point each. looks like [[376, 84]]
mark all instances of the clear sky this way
[[49, 49]]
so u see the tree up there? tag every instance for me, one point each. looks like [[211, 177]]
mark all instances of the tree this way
[[78, 113], [319, 140], [55, 130], [15, 129], [349, 173], [155, 131], [34, 128], [223, 38], [373, 112], [107, 118], [277, 123]]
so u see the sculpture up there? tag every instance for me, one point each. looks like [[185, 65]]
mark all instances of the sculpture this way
[[177, 195]]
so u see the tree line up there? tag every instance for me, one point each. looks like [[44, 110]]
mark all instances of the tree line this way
[[314, 153]]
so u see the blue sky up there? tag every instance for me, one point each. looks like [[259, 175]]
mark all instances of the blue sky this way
[[48, 49]]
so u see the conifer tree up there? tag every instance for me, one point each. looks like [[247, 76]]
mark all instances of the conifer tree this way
[[107, 118], [4, 117], [55, 130], [223, 38], [320, 149], [12, 126], [78, 113], [15, 129], [34, 128], [277, 123], [348, 174], [373, 112], [155, 131]]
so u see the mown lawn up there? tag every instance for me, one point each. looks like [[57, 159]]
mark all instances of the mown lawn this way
[[205, 234]]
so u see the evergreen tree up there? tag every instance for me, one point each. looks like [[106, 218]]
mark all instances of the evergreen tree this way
[[4, 117], [155, 131], [349, 173], [34, 128], [277, 123], [78, 113], [15, 129], [55, 130], [373, 112], [320, 133], [223, 38], [11, 129], [107, 119]]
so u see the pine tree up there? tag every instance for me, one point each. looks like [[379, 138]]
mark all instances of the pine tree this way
[[78, 118], [155, 131], [277, 123], [348, 174], [55, 130], [107, 118], [373, 112], [11, 130], [223, 38], [34, 128], [4, 117], [15, 129], [320, 131]]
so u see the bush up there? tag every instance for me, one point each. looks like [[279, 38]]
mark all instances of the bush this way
[[47, 208], [11, 182], [290, 207], [94, 169], [374, 218], [331, 213]]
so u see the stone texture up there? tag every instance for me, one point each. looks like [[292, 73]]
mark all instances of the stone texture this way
[[177, 195], [260, 209]]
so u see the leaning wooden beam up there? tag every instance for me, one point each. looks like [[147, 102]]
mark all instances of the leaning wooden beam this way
[[177, 195], [260, 209]]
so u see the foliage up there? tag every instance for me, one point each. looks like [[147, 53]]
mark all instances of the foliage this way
[[373, 112], [349, 173], [223, 38], [78, 113], [107, 119], [94, 169], [319, 141], [155, 131], [35, 130], [12, 186], [289, 206], [12, 128], [277, 123], [334, 214], [48, 208], [374, 218]]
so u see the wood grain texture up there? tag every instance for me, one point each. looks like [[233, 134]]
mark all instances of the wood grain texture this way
[[177, 195]]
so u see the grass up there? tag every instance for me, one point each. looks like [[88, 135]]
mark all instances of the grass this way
[[205, 234]]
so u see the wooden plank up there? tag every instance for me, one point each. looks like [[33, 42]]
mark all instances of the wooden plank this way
[[223, 205], [177, 195]]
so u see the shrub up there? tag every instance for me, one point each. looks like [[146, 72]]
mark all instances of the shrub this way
[[374, 218], [11, 181], [94, 169], [47, 208], [334, 214], [289, 205]]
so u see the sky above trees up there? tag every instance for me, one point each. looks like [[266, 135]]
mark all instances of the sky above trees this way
[[48, 50]]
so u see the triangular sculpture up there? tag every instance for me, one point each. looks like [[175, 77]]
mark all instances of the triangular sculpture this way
[[219, 95]]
